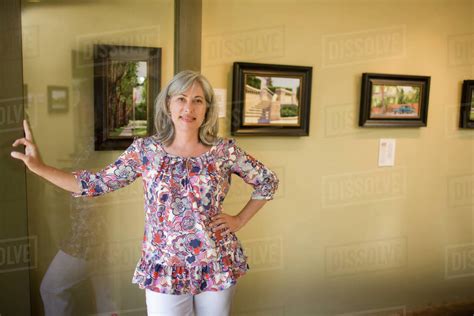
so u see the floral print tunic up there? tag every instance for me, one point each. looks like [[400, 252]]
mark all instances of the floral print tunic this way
[[180, 252]]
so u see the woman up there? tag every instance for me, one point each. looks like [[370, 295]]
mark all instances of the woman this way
[[191, 257]]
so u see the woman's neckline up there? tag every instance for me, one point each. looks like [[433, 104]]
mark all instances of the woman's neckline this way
[[189, 157]]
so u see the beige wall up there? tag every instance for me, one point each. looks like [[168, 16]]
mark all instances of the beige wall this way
[[334, 203], [58, 38], [311, 247]]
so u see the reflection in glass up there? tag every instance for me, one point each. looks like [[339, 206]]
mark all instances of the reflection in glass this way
[[78, 260]]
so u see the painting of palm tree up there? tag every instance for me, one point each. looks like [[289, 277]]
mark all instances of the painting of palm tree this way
[[395, 101]]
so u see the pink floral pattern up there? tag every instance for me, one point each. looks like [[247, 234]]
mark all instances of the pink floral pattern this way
[[180, 253]]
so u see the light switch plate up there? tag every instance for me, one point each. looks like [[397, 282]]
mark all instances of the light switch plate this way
[[221, 101], [386, 152]]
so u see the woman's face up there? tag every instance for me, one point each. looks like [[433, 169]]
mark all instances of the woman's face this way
[[188, 109]]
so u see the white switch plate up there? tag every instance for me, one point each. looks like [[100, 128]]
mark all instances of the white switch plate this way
[[386, 152], [221, 101]]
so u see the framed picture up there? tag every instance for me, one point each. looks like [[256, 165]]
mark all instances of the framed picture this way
[[467, 105], [270, 99], [126, 83], [394, 100], [58, 99]]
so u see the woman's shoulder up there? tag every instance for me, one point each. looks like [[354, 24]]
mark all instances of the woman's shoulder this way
[[226, 147], [148, 143], [225, 141]]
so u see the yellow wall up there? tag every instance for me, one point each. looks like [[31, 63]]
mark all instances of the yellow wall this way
[[311, 247]]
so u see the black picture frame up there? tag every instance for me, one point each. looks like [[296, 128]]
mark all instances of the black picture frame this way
[[112, 123], [467, 105], [409, 95], [252, 114]]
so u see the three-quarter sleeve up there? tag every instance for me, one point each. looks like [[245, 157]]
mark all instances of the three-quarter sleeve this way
[[118, 174], [253, 172]]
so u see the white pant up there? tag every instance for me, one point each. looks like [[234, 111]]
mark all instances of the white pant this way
[[209, 303]]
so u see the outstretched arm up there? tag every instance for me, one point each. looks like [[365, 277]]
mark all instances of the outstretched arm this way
[[32, 160]]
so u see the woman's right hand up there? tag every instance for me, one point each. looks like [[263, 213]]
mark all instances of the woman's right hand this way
[[31, 157]]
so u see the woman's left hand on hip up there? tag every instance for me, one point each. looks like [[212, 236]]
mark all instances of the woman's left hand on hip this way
[[226, 223]]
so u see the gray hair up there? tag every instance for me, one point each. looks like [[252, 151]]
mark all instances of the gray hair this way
[[165, 130]]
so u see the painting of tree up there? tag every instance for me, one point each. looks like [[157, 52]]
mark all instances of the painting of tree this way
[[123, 113], [127, 81]]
